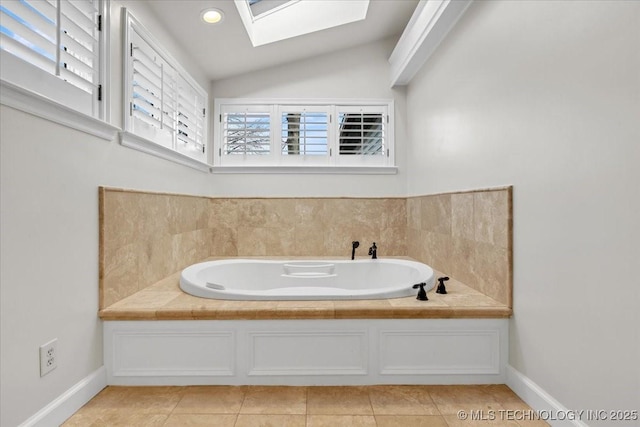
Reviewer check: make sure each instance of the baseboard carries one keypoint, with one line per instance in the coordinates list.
(554, 413)
(65, 405)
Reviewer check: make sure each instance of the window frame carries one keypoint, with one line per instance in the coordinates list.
(29, 88)
(275, 162)
(150, 141)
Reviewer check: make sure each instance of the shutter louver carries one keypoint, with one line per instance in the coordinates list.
(247, 132)
(190, 125)
(361, 133)
(152, 94)
(28, 31)
(79, 43)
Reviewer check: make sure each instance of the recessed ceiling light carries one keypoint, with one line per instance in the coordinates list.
(212, 16)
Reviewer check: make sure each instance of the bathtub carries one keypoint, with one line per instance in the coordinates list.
(256, 279)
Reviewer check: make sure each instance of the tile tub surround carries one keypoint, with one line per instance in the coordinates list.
(165, 300)
(468, 235)
(145, 236)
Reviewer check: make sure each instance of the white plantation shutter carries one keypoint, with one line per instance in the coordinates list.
(246, 130)
(318, 134)
(191, 120)
(79, 41)
(152, 93)
(165, 106)
(62, 39)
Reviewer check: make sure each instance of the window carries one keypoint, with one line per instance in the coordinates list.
(55, 48)
(282, 134)
(165, 109)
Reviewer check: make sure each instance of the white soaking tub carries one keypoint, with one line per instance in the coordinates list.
(256, 279)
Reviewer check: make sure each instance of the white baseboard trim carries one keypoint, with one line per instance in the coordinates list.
(65, 405)
(541, 401)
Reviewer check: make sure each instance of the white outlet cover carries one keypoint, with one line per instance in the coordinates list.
(48, 357)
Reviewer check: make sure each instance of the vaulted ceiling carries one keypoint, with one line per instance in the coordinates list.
(224, 49)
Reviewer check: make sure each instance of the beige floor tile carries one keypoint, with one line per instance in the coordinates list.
(115, 418)
(410, 421)
(341, 421)
(455, 421)
(151, 400)
(402, 400)
(211, 400)
(505, 396)
(247, 420)
(338, 401)
(450, 399)
(201, 420)
(275, 400)
(532, 423)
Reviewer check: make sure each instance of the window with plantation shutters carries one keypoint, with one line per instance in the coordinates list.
(354, 136)
(165, 111)
(362, 134)
(54, 48)
(246, 130)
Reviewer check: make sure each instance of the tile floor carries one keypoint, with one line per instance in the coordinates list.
(279, 406)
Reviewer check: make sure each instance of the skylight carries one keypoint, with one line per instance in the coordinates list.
(268, 21)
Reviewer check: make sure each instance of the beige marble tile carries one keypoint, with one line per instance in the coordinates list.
(410, 421)
(169, 283)
(304, 310)
(201, 420)
(491, 272)
(115, 419)
(224, 241)
(279, 212)
(310, 211)
(462, 224)
(120, 274)
(309, 239)
(252, 213)
(450, 399)
(155, 260)
(414, 213)
(338, 400)
(122, 218)
(341, 420)
(436, 213)
(455, 421)
(280, 241)
(491, 217)
(223, 213)
(275, 400)
(147, 400)
(402, 400)
(252, 241)
(211, 400)
(247, 420)
(434, 300)
(393, 213)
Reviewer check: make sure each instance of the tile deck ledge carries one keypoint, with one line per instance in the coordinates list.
(165, 300)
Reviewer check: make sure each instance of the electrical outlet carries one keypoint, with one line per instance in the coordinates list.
(48, 357)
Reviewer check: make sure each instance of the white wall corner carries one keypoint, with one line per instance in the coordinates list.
(428, 26)
(65, 405)
(542, 402)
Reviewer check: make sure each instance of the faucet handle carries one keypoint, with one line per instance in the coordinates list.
(422, 294)
(441, 288)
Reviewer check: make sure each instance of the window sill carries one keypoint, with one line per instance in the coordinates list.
(349, 170)
(137, 143)
(41, 106)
